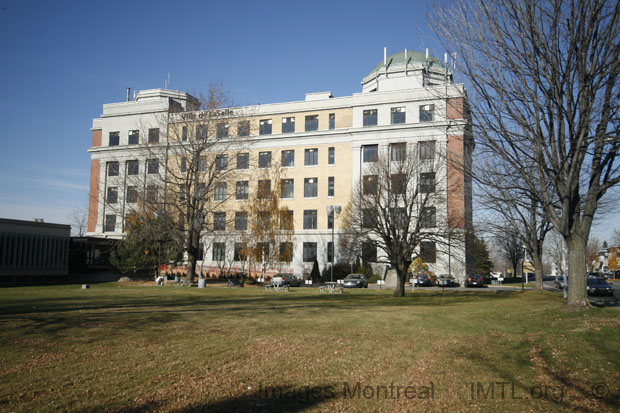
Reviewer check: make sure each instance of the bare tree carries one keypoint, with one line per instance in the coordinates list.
(508, 203)
(79, 221)
(187, 177)
(544, 93)
(397, 209)
(268, 239)
(592, 249)
(511, 249)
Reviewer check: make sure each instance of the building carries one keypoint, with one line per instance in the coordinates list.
(322, 146)
(33, 251)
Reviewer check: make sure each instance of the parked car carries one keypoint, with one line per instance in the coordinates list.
(234, 282)
(286, 280)
(423, 281)
(447, 280)
(355, 281)
(474, 280)
(559, 282)
(598, 286)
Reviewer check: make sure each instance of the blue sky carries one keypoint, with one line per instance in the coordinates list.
(61, 60)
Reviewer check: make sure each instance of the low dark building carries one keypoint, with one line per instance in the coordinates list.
(33, 251)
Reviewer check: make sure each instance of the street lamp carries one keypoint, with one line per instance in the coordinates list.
(332, 210)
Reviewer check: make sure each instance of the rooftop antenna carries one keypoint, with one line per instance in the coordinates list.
(406, 62)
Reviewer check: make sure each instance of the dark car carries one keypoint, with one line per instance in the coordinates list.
(424, 281)
(355, 281)
(234, 282)
(447, 280)
(474, 281)
(287, 280)
(559, 282)
(598, 286)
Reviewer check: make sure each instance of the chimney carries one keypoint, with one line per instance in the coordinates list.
(128, 93)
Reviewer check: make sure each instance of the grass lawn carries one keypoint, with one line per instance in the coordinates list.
(118, 347)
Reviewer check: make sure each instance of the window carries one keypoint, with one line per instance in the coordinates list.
(311, 187)
(183, 165)
(263, 219)
(370, 117)
(428, 217)
(132, 194)
(427, 150)
(330, 186)
(331, 155)
(330, 219)
(287, 188)
(369, 252)
(222, 130)
(264, 127)
(219, 221)
(368, 219)
(112, 195)
(426, 113)
(238, 255)
(201, 251)
(201, 132)
(202, 191)
(310, 219)
(152, 166)
(221, 162)
(154, 135)
(288, 158)
(182, 193)
(243, 128)
(114, 139)
(330, 252)
(264, 159)
(202, 164)
(184, 133)
(241, 221)
(288, 125)
(399, 218)
(398, 115)
(370, 153)
(110, 223)
(309, 251)
(332, 121)
(243, 161)
(369, 184)
(219, 251)
(312, 122)
(286, 252)
(113, 168)
(134, 137)
(311, 157)
(263, 250)
(241, 191)
(427, 182)
(398, 152)
(133, 167)
(220, 192)
(264, 189)
(151, 193)
(286, 219)
(428, 252)
(398, 184)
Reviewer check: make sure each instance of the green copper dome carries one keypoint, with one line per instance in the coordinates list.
(413, 58)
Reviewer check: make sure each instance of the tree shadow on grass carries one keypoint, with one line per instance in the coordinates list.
(270, 399)
(552, 391)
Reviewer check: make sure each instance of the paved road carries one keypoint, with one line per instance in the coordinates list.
(599, 301)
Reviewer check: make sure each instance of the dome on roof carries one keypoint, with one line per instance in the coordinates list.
(413, 58)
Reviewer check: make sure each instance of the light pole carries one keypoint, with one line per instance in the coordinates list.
(332, 210)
